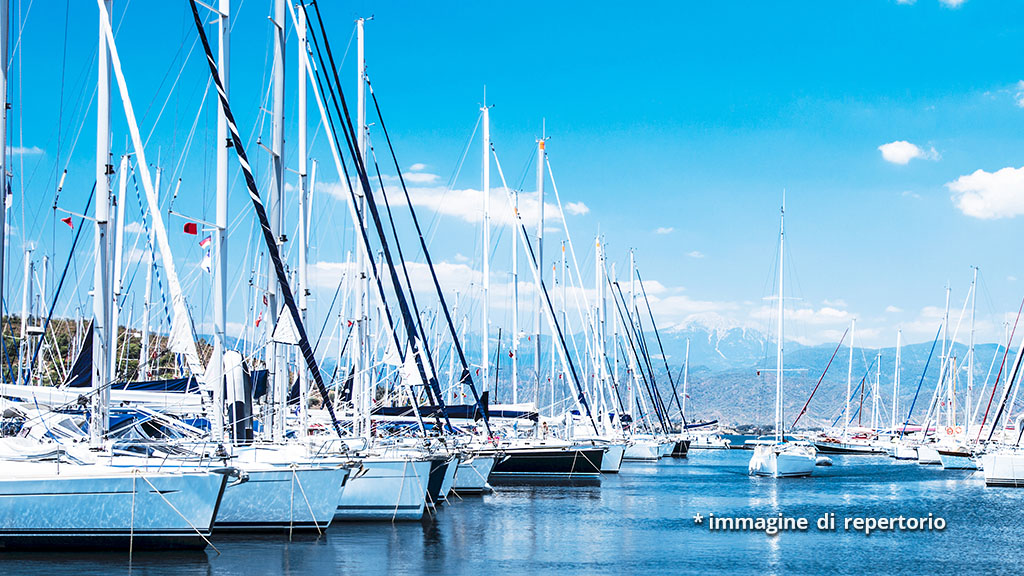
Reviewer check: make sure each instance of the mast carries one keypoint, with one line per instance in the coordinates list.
(304, 211)
(276, 369)
(970, 357)
(147, 304)
(686, 377)
(220, 237)
(539, 313)
(874, 392)
(896, 381)
(26, 299)
(100, 394)
(633, 380)
(849, 385)
(778, 359)
(945, 356)
(485, 365)
(363, 381)
(3, 157)
(117, 217)
(515, 302)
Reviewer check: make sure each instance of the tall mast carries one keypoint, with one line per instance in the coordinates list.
(540, 262)
(3, 157)
(686, 376)
(970, 357)
(778, 360)
(945, 358)
(633, 381)
(277, 370)
(100, 393)
(515, 302)
(849, 385)
(26, 300)
(116, 244)
(220, 237)
(896, 381)
(304, 210)
(363, 381)
(485, 362)
(874, 392)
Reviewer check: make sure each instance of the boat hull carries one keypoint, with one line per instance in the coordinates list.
(385, 490)
(681, 449)
(928, 456)
(282, 498)
(782, 461)
(611, 463)
(472, 474)
(957, 460)
(549, 462)
(108, 510)
(642, 451)
(850, 448)
(1003, 469)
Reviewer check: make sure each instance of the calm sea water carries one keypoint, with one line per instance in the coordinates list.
(639, 522)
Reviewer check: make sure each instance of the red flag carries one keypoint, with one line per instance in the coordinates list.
(191, 228)
(259, 319)
(68, 222)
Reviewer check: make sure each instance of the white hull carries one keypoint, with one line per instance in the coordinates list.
(97, 507)
(957, 462)
(903, 451)
(472, 474)
(449, 477)
(1003, 468)
(613, 456)
(386, 489)
(282, 498)
(782, 461)
(642, 450)
(709, 443)
(928, 455)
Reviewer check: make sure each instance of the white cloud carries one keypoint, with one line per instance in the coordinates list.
(696, 254)
(893, 309)
(1018, 96)
(460, 258)
(907, 2)
(420, 177)
(902, 152)
(952, 3)
(909, 194)
(1011, 278)
(417, 167)
(24, 151)
(664, 230)
(989, 195)
(576, 208)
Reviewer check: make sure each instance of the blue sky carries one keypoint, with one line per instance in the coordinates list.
(676, 125)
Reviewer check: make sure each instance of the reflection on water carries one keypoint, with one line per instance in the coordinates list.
(637, 522)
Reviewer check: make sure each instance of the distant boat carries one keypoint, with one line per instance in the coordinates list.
(779, 458)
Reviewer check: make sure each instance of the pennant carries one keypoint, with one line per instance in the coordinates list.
(191, 228)
(205, 242)
(207, 263)
(68, 222)
(259, 319)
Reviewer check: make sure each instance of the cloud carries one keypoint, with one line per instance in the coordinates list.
(417, 167)
(696, 254)
(24, 151)
(1018, 96)
(460, 258)
(467, 205)
(576, 208)
(890, 309)
(419, 177)
(989, 195)
(909, 194)
(664, 230)
(952, 3)
(906, 2)
(901, 152)
(1011, 278)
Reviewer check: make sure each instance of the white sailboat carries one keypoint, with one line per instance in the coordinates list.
(779, 458)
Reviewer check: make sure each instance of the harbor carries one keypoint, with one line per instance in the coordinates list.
(296, 287)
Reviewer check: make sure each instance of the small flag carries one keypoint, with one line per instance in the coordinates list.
(265, 301)
(259, 319)
(68, 222)
(207, 263)
(191, 228)
(205, 242)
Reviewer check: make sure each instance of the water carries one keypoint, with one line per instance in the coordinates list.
(638, 522)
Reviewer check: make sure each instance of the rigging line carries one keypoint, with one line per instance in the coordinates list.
(435, 390)
(268, 235)
(327, 316)
(341, 108)
(60, 285)
(661, 348)
(1009, 383)
(822, 377)
(432, 227)
(920, 381)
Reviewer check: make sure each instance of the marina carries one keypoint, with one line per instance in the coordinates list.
(280, 297)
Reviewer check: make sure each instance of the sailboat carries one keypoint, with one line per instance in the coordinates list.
(780, 458)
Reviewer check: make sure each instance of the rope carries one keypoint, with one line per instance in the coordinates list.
(168, 502)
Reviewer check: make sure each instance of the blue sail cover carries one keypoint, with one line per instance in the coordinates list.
(81, 376)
